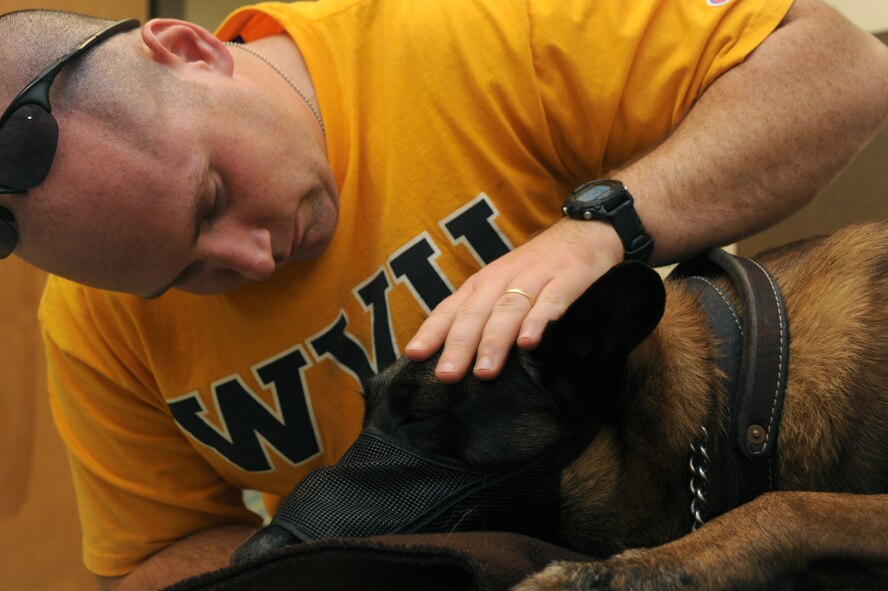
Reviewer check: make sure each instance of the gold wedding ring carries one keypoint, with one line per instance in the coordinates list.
(522, 293)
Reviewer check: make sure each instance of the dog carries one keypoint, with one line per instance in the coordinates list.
(633, 362)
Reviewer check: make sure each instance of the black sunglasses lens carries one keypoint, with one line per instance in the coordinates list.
(28, 142)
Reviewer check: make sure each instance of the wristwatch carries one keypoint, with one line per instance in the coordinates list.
(609, 200)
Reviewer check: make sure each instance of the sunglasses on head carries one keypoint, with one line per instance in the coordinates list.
(29, 133)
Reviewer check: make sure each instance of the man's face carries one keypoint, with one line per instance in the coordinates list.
(217, 196)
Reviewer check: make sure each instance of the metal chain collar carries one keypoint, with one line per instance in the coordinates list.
(699, 484)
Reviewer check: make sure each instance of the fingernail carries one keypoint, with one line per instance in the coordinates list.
(413, 345)
(447, 367)
(484, 363)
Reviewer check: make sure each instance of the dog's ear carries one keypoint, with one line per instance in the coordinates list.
(605, 323)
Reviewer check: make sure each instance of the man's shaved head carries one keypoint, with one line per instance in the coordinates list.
(108, 83)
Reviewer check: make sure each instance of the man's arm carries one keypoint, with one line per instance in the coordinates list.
(759, 144)
(767, 136)
(198, 553)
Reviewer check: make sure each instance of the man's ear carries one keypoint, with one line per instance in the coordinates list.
(605, 323)
(175, 43)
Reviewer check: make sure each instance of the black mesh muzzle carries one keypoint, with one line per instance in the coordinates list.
(382, 487)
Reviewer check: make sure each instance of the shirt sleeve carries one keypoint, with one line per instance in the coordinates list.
(616, 77)
(140, 485)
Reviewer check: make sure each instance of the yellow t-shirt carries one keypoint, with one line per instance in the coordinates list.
(454, 131)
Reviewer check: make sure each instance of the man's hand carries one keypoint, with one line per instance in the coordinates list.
(486, 318)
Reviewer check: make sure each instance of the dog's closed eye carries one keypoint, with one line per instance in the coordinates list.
(418, 417)
(422, 416)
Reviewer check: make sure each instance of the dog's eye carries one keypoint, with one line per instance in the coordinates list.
(422, 416)
(418, 417)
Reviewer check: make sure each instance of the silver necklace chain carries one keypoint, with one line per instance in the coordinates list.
(301, 94)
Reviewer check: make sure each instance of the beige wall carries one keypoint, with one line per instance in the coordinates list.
(871, 15)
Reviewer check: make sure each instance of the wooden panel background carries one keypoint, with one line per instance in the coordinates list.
(40, 545)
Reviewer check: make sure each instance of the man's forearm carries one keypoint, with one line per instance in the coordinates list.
(199, 553)
(766, 136)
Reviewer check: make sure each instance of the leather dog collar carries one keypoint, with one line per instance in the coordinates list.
(756, 383)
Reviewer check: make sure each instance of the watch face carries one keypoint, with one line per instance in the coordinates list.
(592, 193)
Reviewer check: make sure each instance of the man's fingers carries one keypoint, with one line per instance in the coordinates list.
(434, 330)
(551, 304)
(522, 324)
(461, 343)
(511, 300)
(501, 330)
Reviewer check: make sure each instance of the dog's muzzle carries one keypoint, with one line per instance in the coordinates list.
(382, 487)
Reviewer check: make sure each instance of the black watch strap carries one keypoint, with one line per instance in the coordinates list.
(609, 200)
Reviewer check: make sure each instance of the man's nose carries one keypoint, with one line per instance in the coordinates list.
(246, 251)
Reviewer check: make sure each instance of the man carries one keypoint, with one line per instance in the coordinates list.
(334, 180)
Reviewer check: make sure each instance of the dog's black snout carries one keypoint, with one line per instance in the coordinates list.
(262, 542)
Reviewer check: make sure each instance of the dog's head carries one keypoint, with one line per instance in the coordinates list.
(477, 454)
(575, 378)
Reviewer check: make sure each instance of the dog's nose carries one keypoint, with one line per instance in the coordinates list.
(262, 542)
